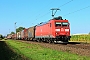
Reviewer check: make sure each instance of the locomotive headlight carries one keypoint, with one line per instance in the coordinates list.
(67, 30)
(57, 29)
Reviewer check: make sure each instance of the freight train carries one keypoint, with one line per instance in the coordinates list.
(56, 29)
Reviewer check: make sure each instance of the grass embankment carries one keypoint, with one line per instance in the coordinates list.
(6, 53)
(80, 38)
(37, 52)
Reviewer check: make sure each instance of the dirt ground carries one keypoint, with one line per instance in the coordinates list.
(72, 47)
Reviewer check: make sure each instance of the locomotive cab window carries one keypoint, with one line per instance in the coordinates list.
(58, 24)
(65, 24)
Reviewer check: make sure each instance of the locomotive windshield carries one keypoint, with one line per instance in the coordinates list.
(61, 24)
(64, 23)
(58, 24)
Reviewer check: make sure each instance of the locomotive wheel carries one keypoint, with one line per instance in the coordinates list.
(38, 40)
(50, 41)
(53, 42)
(66, 40)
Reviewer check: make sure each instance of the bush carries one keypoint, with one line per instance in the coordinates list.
(5, 38)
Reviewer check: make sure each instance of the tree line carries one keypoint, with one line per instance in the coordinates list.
(17, 30)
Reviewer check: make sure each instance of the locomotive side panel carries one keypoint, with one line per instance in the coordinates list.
(43, 31)
(37, 32)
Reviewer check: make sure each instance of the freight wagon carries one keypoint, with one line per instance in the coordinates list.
(31, 33)
(22, 34)
(19, 35)
(13, 36)
(9, 36)
(25, 34)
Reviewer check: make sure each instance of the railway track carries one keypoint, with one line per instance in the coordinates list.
(82, 46)
(76, 45)
(72, 47)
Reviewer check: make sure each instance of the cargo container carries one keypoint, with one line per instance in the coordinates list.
(22, 34)
(31, 33)
(13, 36)
(9, 37)
(17, 35)
(25, 34)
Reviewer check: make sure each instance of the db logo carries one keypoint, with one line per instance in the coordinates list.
(62, 29)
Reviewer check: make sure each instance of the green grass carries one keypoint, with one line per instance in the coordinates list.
(37, 52)
(6, 53)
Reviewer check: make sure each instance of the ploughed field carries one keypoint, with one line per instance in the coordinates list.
(45, 51)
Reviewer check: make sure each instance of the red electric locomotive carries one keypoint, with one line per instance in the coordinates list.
(54, 30)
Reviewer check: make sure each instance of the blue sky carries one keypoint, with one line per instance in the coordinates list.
(28, 13)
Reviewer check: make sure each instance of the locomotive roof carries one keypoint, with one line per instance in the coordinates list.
(42, 23)
(55, 18)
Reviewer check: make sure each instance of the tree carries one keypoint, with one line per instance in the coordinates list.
(1, 36)
(12, 32)
(89, 32)
(20, 29)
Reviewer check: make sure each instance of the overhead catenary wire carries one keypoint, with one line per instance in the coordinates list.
(50, 11)
(41, 11)
(46, 6)
(65, 3)
(58, 7)
(76, 11)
